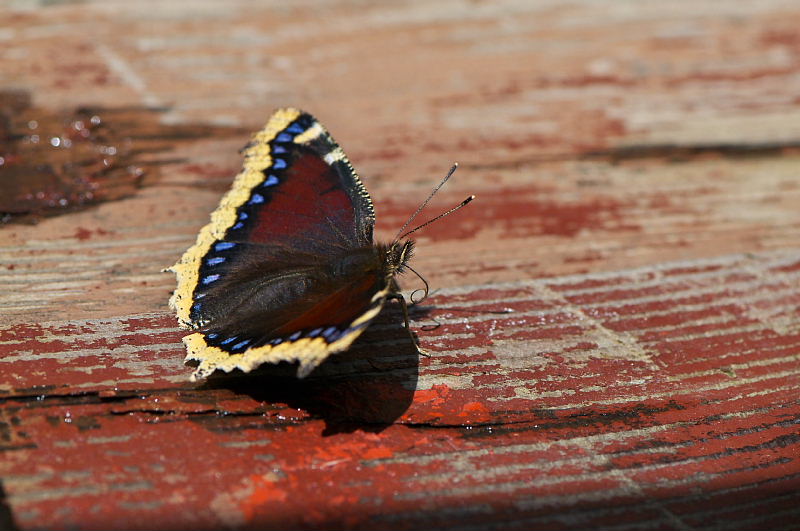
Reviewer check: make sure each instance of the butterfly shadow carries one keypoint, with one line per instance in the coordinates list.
(368, 387)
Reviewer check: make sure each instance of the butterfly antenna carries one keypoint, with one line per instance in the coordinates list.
(463, 203)
(401, 234)
(424, 204)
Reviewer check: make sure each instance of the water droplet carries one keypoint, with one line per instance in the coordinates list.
(55, 141)
(33, 124)
(2, 161)
(95, 120)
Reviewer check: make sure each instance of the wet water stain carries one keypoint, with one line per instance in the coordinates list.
(57, 162)
(54, 162)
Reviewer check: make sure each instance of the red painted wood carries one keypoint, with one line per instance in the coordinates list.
(598, 399)
(614, 330)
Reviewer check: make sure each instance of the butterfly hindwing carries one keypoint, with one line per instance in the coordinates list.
(309, 336)
(286, 269)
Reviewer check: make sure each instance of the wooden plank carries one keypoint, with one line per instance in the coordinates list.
(614, 329)
(654, 396)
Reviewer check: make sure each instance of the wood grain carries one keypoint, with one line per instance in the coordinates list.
(614, 330)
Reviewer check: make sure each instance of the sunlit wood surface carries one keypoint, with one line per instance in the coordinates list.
(613, 331)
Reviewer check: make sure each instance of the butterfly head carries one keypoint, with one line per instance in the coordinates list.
(396, 257)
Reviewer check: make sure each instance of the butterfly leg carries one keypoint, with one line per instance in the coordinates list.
(404, 307)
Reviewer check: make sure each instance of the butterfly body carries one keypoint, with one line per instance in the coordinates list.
(287, 269)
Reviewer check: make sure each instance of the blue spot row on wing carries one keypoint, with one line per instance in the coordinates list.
(208, 279)
(237, 344)
(270, 179)
(300, 125)
(296, 128)
(240, 345)
(215, 257)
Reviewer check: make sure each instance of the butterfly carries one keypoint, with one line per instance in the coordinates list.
(287, 269)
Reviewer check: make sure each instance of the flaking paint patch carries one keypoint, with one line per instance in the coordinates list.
(237, 507)
(476, 412)
(265, 491)
(378, 453)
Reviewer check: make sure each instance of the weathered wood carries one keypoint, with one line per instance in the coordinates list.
(656, 394)
(614, 341)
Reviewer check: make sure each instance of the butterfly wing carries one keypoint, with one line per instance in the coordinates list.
(286, 269)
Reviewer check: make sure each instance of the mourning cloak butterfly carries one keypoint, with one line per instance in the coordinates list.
(287, 269)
